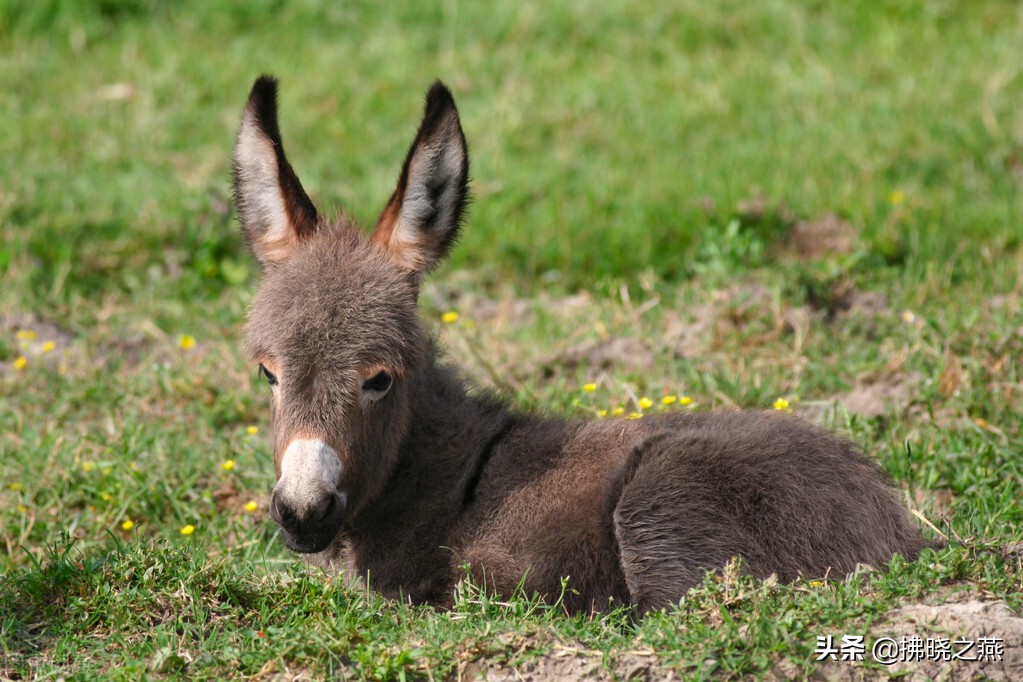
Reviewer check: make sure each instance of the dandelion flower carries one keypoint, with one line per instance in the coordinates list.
(645, 403)
(449, 317)
(669, 400)
(21, 362)
(188, 529)
(227, 464)
(251, 506)
(25, 335)
(897, 197)
(252, 430)
(781, 404)
(589, 388)
(127, 524)
(816, 583)
(49, 346)
(186, 341)
(618, 411)
(601, 413)
(685, 401)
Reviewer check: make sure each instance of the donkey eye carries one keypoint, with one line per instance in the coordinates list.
(271, 378)
(378, 383)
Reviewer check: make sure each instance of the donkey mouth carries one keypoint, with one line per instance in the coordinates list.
(309, 533)
(308, 544)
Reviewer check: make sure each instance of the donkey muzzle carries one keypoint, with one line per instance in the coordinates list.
(306, 503)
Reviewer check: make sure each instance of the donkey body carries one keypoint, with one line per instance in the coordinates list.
(388, 467)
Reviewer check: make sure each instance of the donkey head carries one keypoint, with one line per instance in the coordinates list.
(334, 326)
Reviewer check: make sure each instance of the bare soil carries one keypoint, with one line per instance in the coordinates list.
(970, 619)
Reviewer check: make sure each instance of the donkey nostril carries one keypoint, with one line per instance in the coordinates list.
(280, 513)
(327, 507)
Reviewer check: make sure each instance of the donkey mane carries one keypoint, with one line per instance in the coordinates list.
(389, 468)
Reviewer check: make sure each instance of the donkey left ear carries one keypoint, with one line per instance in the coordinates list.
(421, 221)
(275, 211)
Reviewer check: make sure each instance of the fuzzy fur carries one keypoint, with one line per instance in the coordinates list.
(433, 477)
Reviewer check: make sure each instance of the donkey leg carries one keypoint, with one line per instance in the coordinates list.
(670, 523)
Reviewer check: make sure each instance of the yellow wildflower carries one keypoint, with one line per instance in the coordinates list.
(22, 509)
(908, 316)
(449, 317)
(669, 400)
(88, 466)
(105, 495)
(618, 411)
(128, 524)
(685, 401)
(186, 341)
(187, 529)
(252, 430)
(816, 583)
(227, 464)
(897, 197)
(601, 413)
(645, 403)
(251, 506)
(14, 486)
(25, 335)
(589, 388)
(781, 404)
(635, 415)
(20, 362)
(49, 346)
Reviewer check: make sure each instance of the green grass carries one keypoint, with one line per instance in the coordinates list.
(657, 158)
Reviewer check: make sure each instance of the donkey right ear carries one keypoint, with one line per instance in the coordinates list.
(420, 223)
(275, 211)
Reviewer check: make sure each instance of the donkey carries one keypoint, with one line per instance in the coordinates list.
(388, 468)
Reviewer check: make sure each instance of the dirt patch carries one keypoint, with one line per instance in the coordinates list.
(690, 335)
(842, 296)
(872, 397)
(710, 325)
(985, 635)
(827, 235)
(616, 352)
(973, 620)
(567, 664)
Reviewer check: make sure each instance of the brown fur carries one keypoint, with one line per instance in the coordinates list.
(433, 478)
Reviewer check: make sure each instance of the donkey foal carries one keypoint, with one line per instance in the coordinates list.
(387, 467)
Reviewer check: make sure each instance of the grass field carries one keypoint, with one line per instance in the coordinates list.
(730, 202)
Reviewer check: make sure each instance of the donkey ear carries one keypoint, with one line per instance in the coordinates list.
(275, 211)
(421, 221)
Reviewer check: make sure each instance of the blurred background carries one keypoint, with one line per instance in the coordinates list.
(607, 138)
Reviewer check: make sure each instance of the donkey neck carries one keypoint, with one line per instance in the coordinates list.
(454, 431)
(404, 539)
(443, 455)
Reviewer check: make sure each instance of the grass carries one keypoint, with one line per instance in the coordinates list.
(643, 173)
